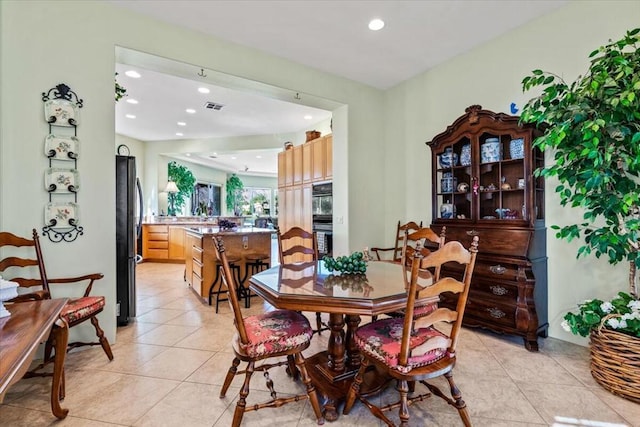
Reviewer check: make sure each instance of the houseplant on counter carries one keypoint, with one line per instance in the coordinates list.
(185, 181)
(234, 193)
(593, 127)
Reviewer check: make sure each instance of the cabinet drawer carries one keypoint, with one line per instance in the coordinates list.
(158, 253)
(502, 292)
(157, 228)
(197, 268)
(499, 241)
(484, 269)
(196, 254)
(157, 244)
(158, 236)
(197, 284)
(488, 311)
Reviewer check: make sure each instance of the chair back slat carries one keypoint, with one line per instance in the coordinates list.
(424, 240)
(232, 289)
(21, 267)
(452, 251)
(297, 242)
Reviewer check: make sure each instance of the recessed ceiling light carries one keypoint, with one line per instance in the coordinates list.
(376, 24)
(258, 157)
(233, 157)
(188, 154)
(132, 101)
(179, 134)
(130, 116)
(203, 90)
(182, 124)
(133, 74)
(190, 111)
(308, 117)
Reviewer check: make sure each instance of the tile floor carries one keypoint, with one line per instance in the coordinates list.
(169, 365)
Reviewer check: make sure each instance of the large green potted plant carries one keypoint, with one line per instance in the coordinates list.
(234, 194)
(592, 127)
(185, 181)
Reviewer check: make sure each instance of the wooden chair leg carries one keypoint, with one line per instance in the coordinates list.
(230, 375)
(319, 322)
(354, 390)
(292, 369)
(459, 404)
(104, 342)
(311, 391)
(403, 389)
(242, 401)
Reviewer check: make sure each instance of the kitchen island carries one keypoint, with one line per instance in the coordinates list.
(163, 237)
(243, 245)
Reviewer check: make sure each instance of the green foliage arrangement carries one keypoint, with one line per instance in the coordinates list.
(185, 181)
(234, 192)
(120, 90)
(593, 127)
(352, 264)
(621, 314)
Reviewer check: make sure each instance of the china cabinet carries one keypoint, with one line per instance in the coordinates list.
(483, 184)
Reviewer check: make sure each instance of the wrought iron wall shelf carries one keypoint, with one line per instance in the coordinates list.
(61, 147)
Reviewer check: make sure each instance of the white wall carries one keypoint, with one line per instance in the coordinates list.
(490, 75)
(43, 43)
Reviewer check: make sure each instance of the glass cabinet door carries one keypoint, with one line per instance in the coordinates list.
(453, 175)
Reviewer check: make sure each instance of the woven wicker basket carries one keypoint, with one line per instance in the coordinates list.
(615, 362)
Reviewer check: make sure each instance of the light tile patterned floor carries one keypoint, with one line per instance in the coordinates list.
(169, 366)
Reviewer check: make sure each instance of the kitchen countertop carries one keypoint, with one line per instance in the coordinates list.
(238, 230)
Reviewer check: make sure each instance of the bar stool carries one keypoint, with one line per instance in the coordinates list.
(220, 293)
(254, 263)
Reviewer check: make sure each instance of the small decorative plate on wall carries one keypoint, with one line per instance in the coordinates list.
(60, 112)
(61, 215)
(61, 147)
(58, 180)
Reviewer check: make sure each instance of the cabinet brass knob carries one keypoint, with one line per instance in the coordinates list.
(496, 313)
(473, 233)
(498, 290)
(497, 269)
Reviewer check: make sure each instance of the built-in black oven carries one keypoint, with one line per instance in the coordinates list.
(322, 208)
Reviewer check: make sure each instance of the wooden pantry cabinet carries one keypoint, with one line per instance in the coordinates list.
(298, 169)
(483, 185)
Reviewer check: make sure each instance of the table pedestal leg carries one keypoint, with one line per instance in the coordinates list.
(336, 342)
(60, 335)
(353, 354)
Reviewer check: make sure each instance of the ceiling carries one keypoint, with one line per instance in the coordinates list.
(324, 35)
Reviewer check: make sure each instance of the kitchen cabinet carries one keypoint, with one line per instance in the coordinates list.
(298, 169)
(163, 242)
(483, 185)
(155, 242)
(176, 242)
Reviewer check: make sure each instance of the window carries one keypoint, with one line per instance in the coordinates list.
(205, 199)
(256, 201)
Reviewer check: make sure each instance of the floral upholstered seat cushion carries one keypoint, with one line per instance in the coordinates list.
(418, 311)
(81, 308)
(276, 331)
(382, 339)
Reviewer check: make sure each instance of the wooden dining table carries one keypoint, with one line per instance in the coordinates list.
(30, 324)
(309, 286)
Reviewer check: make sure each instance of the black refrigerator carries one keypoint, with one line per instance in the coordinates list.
(128, 227)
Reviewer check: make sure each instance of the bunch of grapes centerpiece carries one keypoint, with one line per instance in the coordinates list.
(352, 264)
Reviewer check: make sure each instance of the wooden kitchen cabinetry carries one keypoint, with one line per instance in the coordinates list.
(163, 242)
(298, 169)
(483, 185)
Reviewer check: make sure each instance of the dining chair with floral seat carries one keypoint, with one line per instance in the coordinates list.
(425, 241)
(297, 244)
(277, 334)
(396, 250)
(412, 350)
(27, 268)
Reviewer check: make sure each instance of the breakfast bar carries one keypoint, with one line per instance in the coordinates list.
(245, 245)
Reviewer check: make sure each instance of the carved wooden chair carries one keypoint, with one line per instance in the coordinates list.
(28, 270)
(275, 334)
(396, 250)
(413, 350)
(301, 245)
(425, 241)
